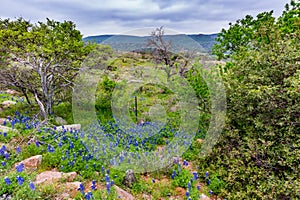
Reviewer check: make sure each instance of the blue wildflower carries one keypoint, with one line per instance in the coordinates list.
(7, 180)
(88, 196)
(18, 150)
(185, 163)
(187, 194)
(81, 188)
(20, 167)
(20, 180)
(32, 186)
(206, 174)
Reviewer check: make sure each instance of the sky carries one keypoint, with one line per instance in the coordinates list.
(96, 17)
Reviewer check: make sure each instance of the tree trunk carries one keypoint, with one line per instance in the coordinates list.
(26, 96)
(41, 105)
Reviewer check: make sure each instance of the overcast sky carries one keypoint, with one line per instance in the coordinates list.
(94, 17)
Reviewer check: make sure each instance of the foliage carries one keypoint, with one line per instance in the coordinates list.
(42, 59)
(258, 153)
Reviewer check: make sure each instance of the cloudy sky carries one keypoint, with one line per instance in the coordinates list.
(94, 17)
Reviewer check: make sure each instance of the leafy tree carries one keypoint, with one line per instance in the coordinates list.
(41, 59)
(258, 153)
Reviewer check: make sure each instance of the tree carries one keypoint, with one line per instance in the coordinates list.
(243, 34)
(258, 153)
(174, 63)
(41, 59)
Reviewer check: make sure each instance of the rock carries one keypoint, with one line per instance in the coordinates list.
(129, 179)
(200, 141)
(203, 196)
(146, 197)
(33, 162)
(70, 188)
(5, 197)
(63, 196)
(123, 194)
(175, 108)
(72, 185)
(51, 176)
(5, 129)
(60, 121)
(69, 127)
(8, 103)
(12, 92)
(2, 120)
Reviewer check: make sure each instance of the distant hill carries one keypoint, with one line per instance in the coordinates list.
(200, 42)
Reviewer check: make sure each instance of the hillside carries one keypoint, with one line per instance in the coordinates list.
(201, 42)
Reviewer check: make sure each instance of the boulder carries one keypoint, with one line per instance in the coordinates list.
(204, 197)
(60, 121)
(122, 194)
(33, 162)
(5, 129)
(8, 103)
(69, 127)
(200, 141)
(129, 179)
(2, 120)
(52, 176)
(12, 92)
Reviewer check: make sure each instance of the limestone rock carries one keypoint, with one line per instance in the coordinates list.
(8, 103)
(204, 197)
(123, 194)
(129, 179)
(60, 121)
(52, 176)
(5, 129)
(12, 92)
(69, 127)
(2, 120)
(32, 162)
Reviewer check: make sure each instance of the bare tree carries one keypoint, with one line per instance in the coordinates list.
(174, 63)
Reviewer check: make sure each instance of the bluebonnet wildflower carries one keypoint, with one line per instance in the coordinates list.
(88, 196)
(18, 150)
(20, 167)
(107, 179)
(3, 163)
(37, 143)
(187, 194)
(206, 174)
(198, 187)
(108, 187)
(81, 188)
(210, 192)
(4, 134)
(195, 175)
(50, 148)
(208, 182)
(185, 163)
(93, 185)
(7, 180)
(20, 180)
(153, 180)
(32, 186)
(189, 185)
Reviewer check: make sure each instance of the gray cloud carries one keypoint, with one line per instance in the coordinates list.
(116, 16)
